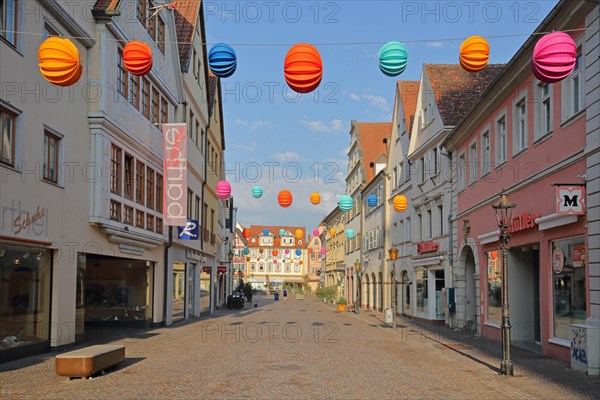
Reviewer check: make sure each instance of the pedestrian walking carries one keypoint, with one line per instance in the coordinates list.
(284, 294)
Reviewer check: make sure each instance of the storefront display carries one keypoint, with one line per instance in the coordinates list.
(205, 283)
(422, 294)
(494, 287)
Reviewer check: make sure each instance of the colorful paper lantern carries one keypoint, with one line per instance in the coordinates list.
(300, 262)
(59, 61)
(345, 203)
(372, 200)
(393, 58)
(246, 233)
(554, 57)
(285, 198)
(265, 231)
(323, 250)
(287, 251)
(303, 68)
(315, 198)
(350, 233)
(260, 251)
(247, 258)
(137, 58)
(223, 189)
(246, 251)
(494, 255)
(332, 232)
(274, 261)
(281, 232)
(257, 192)
(222, 60)
(310, 251)
(298, 252)
(474, 54)
(316, 232)
(275, 252)
(299, 233)
(400, 203)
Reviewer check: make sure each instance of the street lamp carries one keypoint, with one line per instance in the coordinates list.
(504, 211)
(357, 302)
(393, 252)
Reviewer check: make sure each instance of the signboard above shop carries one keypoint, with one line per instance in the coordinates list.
(427, 247)
(570, 200)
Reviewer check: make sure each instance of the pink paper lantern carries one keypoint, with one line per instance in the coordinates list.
(223, 189)
(323, 250)
(274, 261)
(316, 232)
(287, 251)
(554, 57)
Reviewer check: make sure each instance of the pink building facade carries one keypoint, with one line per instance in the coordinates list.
(525, 138)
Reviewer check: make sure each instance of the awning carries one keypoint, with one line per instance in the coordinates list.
(554, 220)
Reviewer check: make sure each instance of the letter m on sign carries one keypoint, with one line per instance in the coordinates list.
(570, 200)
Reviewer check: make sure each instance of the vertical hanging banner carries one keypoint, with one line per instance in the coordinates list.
(175, 173)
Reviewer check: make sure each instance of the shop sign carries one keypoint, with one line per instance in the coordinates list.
(558, 260)
(206, 270)
(523, 222)
(579, 256)
(570, 200)
(192, 255)
(221, 269)
(239, 260)
(32, 223)
(131, 250)
(427, 247)
(189, 231)
(175, 173)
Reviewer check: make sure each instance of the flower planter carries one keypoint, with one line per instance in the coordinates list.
(341, 308)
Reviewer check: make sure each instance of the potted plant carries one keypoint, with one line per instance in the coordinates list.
(299, 294)
(341, 304)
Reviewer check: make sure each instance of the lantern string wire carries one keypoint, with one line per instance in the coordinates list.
(315, 44)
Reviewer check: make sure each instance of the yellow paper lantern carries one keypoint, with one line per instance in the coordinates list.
(332, 232)
(59, 61)
(315, 198)
(299, 234)
(400, 203)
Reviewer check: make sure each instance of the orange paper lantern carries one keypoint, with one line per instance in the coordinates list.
(300, 262)
(260, 251)
(315, 198)
(303, 68)
(247, 258)
(285, 198)
(275, 252)
(494, 254)
(474, 54)
(400, 203)
(299, 233)
(137, 57)
(246, 233)
(59, 61)
(332, 232)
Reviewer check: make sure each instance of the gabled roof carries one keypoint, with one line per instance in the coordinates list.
(256, 231)
(409, 93)
(186, 17)
(457, 90)
(371, 135)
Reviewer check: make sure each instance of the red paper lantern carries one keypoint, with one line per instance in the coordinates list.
(137, 57)
(303, 68)
(285, 198)
(275, 252)
(246, 233)
(494, 254)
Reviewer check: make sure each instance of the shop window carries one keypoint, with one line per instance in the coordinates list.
(439, 294)
(205, 283)
(494, 286)
(25, 287)
(178, 299)
(422, 293)
(569, 261)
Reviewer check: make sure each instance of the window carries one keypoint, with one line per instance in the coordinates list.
(419, 226)
(141, 11)
(115, 169)
(441, 218)
(190, 124)
(159, 193)
(569, 263)
(422, 293)
(155, 112)
(408, 237)
(197, 208)
(139, 219)
(145, 98)
(572, 90)
(473, 162)
(164, 110)
(128, 177)
(190, 204)
(139, 182)
(159, 225)
(8, 20)
(400, 235)
(150, 189)
(434, 160)
(501, 140)
(461, 171)
(134, 91)
(520, 125)
(485, 153)
(543, 111)
(494, 285)
(51, 150)
(196, 131)
(429, 224)
(128, 215)
(422, 170)
(49, 30)
(149, 222)
(115, 211)
(7, 142)
(122, 76)
(395, 177)
(160, 34)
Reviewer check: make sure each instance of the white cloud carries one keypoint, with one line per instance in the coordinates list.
(335, 125)
(240, 121)
(377, 101)
(435, 44)
(248, 148)
(261, 124)
(287, 156)
(352, 95)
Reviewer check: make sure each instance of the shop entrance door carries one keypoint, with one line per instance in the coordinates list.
(190, 292)
(536, 295)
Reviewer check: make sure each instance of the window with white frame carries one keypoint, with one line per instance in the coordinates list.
(434, 160)
(461, 171)
(51, 156)
(572, 89)
(501, 139)
(473, 162)
(485, 153)
(520, 125)
(9, 20)
(543, 112)
(422, 169)
(8, 132)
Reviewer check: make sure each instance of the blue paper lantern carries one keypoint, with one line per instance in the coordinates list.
(265, 231)
(222, 60)
(393, 58)
(257, 192)
(350, 233)
(246, 251)
(345, 203)
(281, 232)
(372, 200)
(298, 252)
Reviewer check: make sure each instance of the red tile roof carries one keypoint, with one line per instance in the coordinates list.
(409, 92)
(186, 16)
(371, 135)
(457, 90)
(212, 88)
(106, 5)
(256, 230)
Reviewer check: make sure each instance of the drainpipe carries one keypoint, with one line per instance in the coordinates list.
(451, 241)
(167, 247)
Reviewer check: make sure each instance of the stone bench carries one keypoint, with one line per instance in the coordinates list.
(86, 362)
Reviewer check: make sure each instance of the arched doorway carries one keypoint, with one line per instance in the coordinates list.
(374, 292)
(358, 292)
(381, 303)
(405, 293)
(393, 292)
(468, 260)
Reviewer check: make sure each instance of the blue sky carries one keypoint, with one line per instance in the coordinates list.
(280, 140)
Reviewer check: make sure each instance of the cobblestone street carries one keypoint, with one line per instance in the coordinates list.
(301, 349)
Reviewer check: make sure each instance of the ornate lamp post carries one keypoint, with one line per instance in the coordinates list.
(504, 210)
(357, 302)
(393, 252)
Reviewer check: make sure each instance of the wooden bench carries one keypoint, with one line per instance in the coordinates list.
(86, 362)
